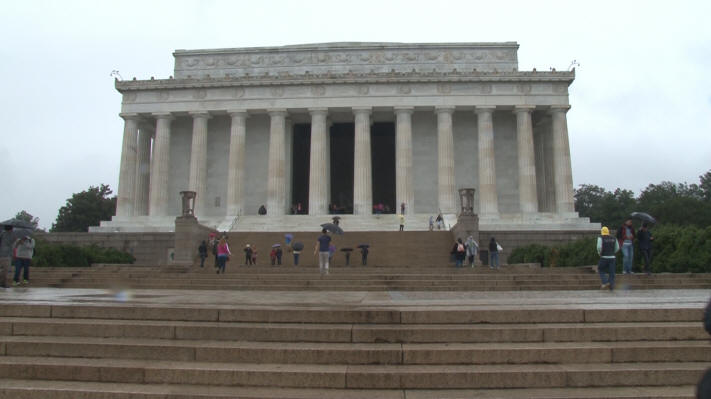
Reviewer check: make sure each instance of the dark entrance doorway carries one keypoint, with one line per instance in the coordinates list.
(300, 162)
(382, 144)
(342, 138)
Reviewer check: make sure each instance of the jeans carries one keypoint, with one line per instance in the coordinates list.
(202, 260)
(494, 263)
(458, 262)
(296, 259)
(323, 261)
(221, 261)
(627, 256)
(606, 267)
(20, 264)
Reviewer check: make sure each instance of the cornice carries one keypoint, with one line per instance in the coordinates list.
(346, 78)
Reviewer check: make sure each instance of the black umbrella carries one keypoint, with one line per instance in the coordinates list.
(644, 217)
(346, 249)
(363, 245)
(336, 218)
(298, 246)
(333, 228)
(18, 223)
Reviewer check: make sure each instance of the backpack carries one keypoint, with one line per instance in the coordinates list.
(460, 247)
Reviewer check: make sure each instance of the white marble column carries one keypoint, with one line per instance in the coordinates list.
(528, 198)
(236, 162)
(318, 164)
(198, 162)
(127, 174)
(143, 171)
(276, 183)
(160, 173)
(445, 160)
(404, 188)
(562, 171)
(488, 197)
(362, 166)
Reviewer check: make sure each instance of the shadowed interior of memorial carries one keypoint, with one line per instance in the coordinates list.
(382, 144)
(301, 157)
(342, 139)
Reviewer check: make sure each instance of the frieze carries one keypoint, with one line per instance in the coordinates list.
(339, 58)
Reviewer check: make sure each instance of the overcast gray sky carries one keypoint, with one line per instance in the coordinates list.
(641, 101)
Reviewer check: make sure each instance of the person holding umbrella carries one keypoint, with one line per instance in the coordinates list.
(322, 247)
(644, 240)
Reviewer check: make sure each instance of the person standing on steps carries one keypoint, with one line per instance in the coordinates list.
(460, 252)
(254, 255)
(494, 249)
(402, 208)
(202, 251)
(402, 221)
(431, 222)
(364, 255)
(472, 250)
(278, 255)
(626, 236)
(644, 242)
(607, 247)
(247, 255)
(23, 248)
(322, 249)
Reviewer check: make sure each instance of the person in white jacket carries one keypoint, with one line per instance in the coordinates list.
(24, 248)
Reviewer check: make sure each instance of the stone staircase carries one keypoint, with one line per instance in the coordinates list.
(178, 345)
(356, 278)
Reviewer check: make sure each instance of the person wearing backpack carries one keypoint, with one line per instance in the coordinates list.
(459, 251)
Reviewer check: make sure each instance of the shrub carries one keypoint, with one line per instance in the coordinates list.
(61, 255)
(675, 249)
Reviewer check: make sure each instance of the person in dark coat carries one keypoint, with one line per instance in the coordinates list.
(202, 251)
(644, 241)
(493, 254)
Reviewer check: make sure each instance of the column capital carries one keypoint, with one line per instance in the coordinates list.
(163, 115)
(444, 109)
(559, 108)
(318, 111)
(362, 110)
(278, 112)
(404, 110)
(200, 114)
(130, 116)
(238, 112)
(523, 108)
(484, 109)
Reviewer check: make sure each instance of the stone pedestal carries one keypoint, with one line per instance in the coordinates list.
(467, 221)
(187, 239)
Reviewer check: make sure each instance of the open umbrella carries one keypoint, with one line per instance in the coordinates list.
(288, 238)
(363, 245)
(332, 228)
(347, 249)
(644, 217)
(298, 246)
(21, 227)
(336, 218)
(276, 245)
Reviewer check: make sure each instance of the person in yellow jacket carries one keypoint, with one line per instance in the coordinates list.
(607, 247)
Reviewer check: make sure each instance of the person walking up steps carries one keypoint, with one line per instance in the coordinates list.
(607, 247)
(322, 248)
(472, 250)
(223, 253)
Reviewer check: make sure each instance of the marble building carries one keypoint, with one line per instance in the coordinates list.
(341, 127)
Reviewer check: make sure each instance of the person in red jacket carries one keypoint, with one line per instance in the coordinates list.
(625, 237)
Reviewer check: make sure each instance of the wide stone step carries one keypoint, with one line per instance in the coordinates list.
(431, 314)
(35, 389)
(393, 333)
(357, 353)
(353, 376)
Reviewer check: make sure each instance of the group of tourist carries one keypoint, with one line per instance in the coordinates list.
(608, 246)
(469, 251)
(221, 251)
(17, 251)
(439, 221)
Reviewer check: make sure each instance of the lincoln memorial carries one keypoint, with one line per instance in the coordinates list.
(349, 128)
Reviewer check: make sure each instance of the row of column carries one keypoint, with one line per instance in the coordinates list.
(143, 178)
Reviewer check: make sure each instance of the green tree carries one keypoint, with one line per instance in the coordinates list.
(85, 209)
(602, 206)
(677, 203)
(27, 217)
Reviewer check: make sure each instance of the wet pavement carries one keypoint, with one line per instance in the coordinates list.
(619, 299)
